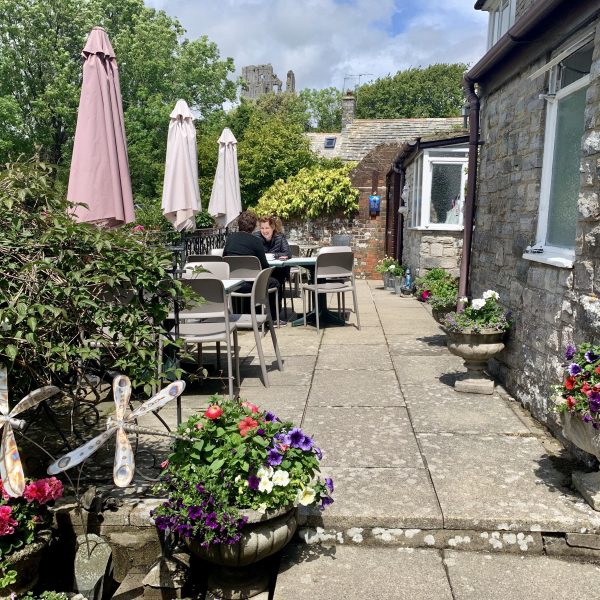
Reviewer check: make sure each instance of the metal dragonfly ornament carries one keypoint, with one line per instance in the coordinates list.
(124, 465)
(11, 469)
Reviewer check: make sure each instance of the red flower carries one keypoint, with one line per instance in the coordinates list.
(164, 464)
(425, 295)
(7, 523)
(246, 425)
(570, 383)
(571, 401)
(598, 369)
(252, 407)
(585, 388)
(138, 228)
(43, 491)
(213, 412)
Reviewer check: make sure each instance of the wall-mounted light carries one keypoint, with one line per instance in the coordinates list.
(374, 204)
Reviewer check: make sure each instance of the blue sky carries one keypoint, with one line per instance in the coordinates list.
(326, 41)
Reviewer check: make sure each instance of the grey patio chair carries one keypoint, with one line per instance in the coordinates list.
(248, 268)
(260, 297)
(210, 322)
(203, 258)
(336, 275)
(218, 269)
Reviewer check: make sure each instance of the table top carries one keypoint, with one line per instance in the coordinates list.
(295, 261)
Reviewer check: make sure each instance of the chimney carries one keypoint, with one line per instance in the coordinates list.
(348, 109)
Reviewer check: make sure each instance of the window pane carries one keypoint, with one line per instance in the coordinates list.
(562, 215)
(448, 153)
(445, 193)
(577, 65)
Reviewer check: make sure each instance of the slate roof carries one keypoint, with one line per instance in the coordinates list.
(362, 135)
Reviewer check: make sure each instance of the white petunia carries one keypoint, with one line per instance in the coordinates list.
(262, 508)
(281, 478)
(463, 299)
(265, 485)
(265, 472)
(306, 496)
(478, 304)
(491, 294)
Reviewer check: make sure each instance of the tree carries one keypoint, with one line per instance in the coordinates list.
(40, 72)
(435, 91)
(325, 107)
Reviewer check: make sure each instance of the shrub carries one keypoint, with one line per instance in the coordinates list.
(439, 288)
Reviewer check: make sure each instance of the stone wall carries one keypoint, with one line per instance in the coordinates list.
(552, 306)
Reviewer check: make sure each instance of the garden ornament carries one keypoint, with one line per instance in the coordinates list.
(124, 465)
(11, 469)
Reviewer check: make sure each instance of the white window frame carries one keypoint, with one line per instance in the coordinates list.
(562, 257)
(495, 29)
(421, 207)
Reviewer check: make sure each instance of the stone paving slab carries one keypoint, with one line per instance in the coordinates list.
(438, 409)
(427, 369)
(290, 345)
(297, 370)
(502, 482)
(379, 497)
(335, 573)
(363, 357)
(498, 577)
(371, 437)
(426, 344)
(350, 336)
(287, 402)
(355, 388)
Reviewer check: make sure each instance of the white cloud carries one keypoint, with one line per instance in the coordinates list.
(323, 41)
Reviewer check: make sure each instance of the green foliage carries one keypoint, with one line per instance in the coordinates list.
(313, 192)
(272, 148)
(434, 91)
(387, 264)
(48, 595)
(480, 314)
(40, 78)
(149, 214)
(62, 308)
(439, 288)
(325, 107)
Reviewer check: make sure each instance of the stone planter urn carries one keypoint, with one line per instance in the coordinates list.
(584, 436)
(238, 572)
(475, 349)
(26, 562)
(439, 314)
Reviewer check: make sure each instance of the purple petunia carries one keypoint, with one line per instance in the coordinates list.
(590, 356)
(253, 482)
(283, 438)
(274, 458)
(269, 416)
(306, 444)
(260, 432)
(574, 369)
(329, 483)
(211, 520)
(296, 437)
(194, 512)
(318, 453)
(325, 501)
(570, 351)
(587, 418)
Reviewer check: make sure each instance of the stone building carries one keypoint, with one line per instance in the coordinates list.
(373, 144)
(536, 236)
(260, 80)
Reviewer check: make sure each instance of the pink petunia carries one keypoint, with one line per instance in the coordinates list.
(7, 523)
(43, 491)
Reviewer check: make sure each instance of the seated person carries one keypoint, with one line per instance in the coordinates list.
(244, 243)
(274, 242)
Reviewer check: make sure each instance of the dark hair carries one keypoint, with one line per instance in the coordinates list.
(247, 221)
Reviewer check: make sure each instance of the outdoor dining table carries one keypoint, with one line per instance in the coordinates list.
(325, 315)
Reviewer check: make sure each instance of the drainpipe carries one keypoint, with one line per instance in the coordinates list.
(400, 229)
(469, 212)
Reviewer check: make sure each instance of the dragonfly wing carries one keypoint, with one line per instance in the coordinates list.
(165, 395)
(124, 463)
(3, 391)
(77, 456)
(11, 469)
(121, 394)
(34, 399)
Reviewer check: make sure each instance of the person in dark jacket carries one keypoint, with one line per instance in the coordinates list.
(244, 243)
(274, 242)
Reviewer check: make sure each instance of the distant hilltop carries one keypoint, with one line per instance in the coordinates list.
(260, 80)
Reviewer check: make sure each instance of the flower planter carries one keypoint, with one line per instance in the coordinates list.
(475, 349)
(584, 436)
(236, 574)
(389, 282)
(26, 563)
(439, 314)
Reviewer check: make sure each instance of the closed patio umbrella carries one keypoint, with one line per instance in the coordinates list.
(225, 199)
(99, 175)
(181, 196)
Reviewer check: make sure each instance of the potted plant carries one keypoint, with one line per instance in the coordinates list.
(24, 533)
(397, 273)
(476, 334)
(578, 406)
(232, 489)
(386, 267)
(439, 289)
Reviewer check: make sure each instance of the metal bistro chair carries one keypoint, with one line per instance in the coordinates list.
(248, 268)
(334, 274)
(260, 297)
(210, 322)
